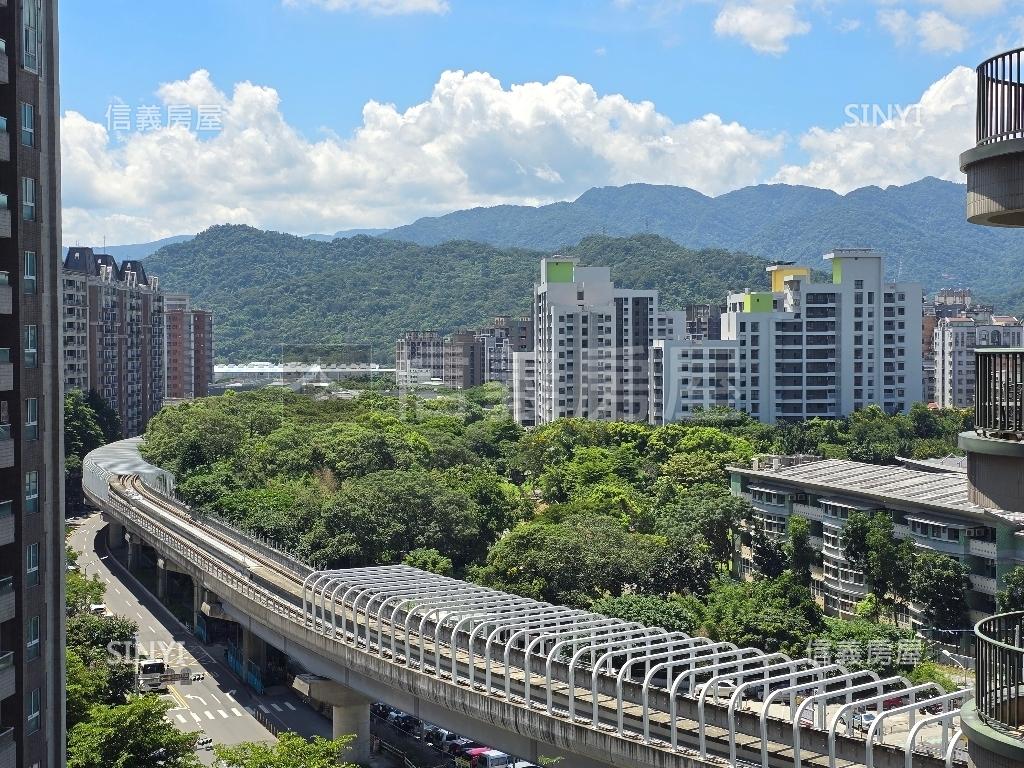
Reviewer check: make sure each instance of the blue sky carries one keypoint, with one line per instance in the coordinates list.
(781, 72)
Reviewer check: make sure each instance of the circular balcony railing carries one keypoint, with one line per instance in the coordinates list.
(999, 393)
(999, 670)
(1000, 114)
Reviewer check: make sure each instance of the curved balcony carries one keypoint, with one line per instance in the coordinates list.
(995, 167)
(993, 720)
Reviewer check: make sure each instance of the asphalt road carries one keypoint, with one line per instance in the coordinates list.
(219, 705)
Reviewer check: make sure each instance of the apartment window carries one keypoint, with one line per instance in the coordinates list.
(28, 275)
(31, 491)
(32, 418)
(858, 284)
(32, 641)
(30, 12)
(33, 702)
(28, 125)
(31, 334)
(28, 198)
(32, 564)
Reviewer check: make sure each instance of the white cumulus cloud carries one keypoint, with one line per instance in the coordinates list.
(380, 7)
(921, 139)
(764, 25)
(969, 7)
(938, 33)
(472, 142)
(932, 30)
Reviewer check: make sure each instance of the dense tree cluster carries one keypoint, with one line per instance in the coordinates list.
(624, 519)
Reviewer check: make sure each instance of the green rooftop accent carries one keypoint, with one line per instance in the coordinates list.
(757, 302)
(559, 272)
(837, 271)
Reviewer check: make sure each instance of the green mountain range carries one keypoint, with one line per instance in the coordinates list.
(272, 292)
(270, 289)
(921, 226)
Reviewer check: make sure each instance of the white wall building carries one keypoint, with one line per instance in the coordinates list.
(953, 344)
(803, 349)
(592, 342)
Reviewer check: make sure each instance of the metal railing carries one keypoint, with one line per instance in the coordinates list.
(999, 669)
(999, 393)
(1000, 105)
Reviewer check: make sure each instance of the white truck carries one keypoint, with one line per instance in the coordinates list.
(151, 675)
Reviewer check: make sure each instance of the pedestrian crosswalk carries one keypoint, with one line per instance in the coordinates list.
(183, 715)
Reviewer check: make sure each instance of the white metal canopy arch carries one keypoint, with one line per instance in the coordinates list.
(458, 625)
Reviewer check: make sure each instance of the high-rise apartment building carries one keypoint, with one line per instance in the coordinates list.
(501, 341)
(113, 334)
(189, 348)
(948, 302)
(591, 350)
(802, 349)
(953, 343)
(31, 403)
(463, 360)
(419, 358)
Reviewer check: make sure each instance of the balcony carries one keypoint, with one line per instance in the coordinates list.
(6, 370)
(5, 66)
(6, 675)
(982, 548)
(6, 447)
(6, 527)
(999, 405)
(5, 141)
(994, 168)
(984, 584)
(8, 750)
(6, 599)
(5, 217)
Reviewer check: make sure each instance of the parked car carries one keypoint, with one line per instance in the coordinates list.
(488, 758)
(462, 747)
(724, 689)
(409, 723)
(894, 703)
(863, 720)
(441, 738)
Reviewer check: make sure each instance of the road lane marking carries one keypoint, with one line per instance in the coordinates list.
(264, 709)
(151, 629)
(181, 718)
(209, 715)
(276, 707)
(222, 713)
(118, 591)
(177, 696)
(194, 716)
(289, 705)
(250, 710)
(215, 699)
(235, 712)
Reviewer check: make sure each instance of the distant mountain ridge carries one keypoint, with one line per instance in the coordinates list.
(270, 291)
(920, 226)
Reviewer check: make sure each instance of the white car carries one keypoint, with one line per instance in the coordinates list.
(724, 689)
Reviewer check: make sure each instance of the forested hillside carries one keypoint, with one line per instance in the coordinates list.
(921, 226)
(269, 289)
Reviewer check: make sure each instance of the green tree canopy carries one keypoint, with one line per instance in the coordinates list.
(132, 735)
(290, 751)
